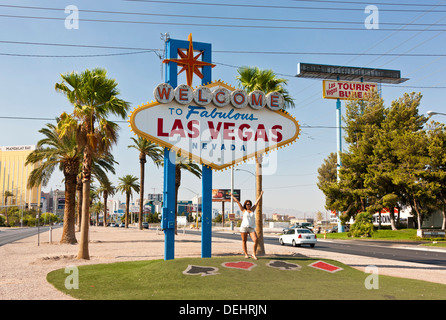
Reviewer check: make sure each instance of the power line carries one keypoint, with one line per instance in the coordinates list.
(143, 50)
(215, 25)
(210, 17)
(274, 6)
(375, 3)
(72, 56)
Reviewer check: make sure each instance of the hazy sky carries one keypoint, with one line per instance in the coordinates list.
(36, 47)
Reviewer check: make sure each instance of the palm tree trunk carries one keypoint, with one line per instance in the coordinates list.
(85, 224)
(105, 208)
(79, 201)
(142, 161)
(127, 207)
(259, 208)
(68, 232)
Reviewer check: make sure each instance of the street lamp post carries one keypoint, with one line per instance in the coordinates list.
(432, 113)
(246, 171)
(198, 206)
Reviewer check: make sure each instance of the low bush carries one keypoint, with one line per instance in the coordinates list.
(363, 226)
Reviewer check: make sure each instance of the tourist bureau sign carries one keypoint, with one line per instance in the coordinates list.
(346, 89)
(215, 125)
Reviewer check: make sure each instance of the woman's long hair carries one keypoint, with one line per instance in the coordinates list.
(247, 201)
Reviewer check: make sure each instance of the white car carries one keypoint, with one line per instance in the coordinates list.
(298, 237)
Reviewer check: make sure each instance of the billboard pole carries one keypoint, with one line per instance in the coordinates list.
(339, 149)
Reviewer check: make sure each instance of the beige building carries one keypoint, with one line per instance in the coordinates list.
(14, 178)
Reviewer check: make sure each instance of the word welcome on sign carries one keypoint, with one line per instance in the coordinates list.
(220, 97)
(213, 135)
(346, 89)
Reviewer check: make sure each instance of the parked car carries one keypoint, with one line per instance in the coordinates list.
(333, 230)
(145, 225)
(122, 225)
(297, 237)
(307, 225)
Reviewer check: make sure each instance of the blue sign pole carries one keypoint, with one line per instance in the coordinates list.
(206, 179)
(168, 214)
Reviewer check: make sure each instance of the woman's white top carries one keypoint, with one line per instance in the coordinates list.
(249, 220)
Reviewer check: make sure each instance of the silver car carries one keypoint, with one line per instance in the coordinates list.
(297, 237)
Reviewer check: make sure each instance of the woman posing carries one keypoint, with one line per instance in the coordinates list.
(248, 224)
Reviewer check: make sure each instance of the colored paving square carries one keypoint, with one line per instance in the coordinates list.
(325, 266)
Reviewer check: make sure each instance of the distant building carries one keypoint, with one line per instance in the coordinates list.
(59, 202)
(155, 197)
(280, 217)
(14, 178)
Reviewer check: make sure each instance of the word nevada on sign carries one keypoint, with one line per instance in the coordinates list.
(346, 89)
(215, 125)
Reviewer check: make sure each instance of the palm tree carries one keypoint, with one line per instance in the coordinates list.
(105, 162)
(63, 152)
(94, 97)
(97, 207)
(106, 189)
(250, 79)
(126, 185)
(155, 153)
(7, 194)
(183, 163)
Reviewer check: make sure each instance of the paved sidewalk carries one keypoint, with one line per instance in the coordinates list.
(24, 265)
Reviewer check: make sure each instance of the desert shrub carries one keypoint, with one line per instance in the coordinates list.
(363, 226)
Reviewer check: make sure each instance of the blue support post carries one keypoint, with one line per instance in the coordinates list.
(168, 214)
(206, 209)
(206, 177)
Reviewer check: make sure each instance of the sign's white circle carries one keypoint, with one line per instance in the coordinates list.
(163, 93)
(239, 98)
(275, 101)
(221, 97)
(257, 99)
(202, 96)
(183, 94)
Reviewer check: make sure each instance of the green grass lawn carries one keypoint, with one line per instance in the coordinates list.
(383, 234)
(162, 280)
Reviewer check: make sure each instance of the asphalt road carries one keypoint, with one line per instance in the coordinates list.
(14, 234)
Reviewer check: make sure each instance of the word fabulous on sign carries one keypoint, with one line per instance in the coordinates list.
(215, 128)
(346, 89)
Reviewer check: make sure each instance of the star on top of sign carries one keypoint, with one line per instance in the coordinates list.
(189, 62)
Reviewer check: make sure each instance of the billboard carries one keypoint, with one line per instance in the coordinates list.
(224, 194)
(323, 71)
(346, 89)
